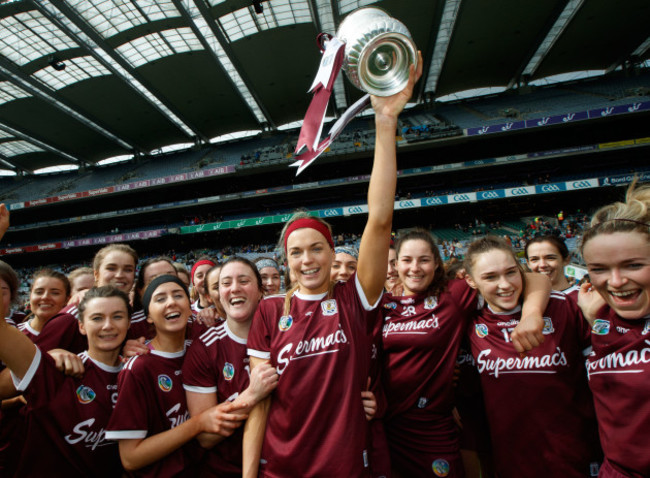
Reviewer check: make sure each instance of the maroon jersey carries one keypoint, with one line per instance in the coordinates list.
(151, 400)
(378, 443)
(140, 327)
(316, 424)
(62, 332)
(30, 332)
(475, 432)
(217, 363)
(422, 336)
(544, 394)
(572, 292)
(10, 420)
(619, 377)
(65, 420)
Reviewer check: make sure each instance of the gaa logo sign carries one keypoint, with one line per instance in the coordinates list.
(489, 195)
(355, 210)
(581, 184)
(519, 192)
(330, 213)
(406, 204)
(461, 197)
(550, 188)
(433, 201)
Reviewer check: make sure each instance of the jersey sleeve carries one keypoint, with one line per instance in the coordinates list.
(259, 336)
(464, 297)
(362, 295)
(582, 326)
(60, 332)
(41, 381)
(198, 372)
(129, 418)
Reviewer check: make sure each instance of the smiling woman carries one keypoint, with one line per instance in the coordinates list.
(151, 418)
(317, 337)
(617, 251)
(48, 295)
(217, 371)
(549, 255)
(425, 317)
(547, 389)
(65, 416)
(112, 265)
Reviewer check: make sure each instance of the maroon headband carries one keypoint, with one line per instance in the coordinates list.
(311, 224)
(200, 263)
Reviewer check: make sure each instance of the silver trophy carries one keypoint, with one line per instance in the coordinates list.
(378, 51)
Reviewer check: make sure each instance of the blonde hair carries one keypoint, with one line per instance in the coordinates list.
(300, 214)
(104, 251)
(79, 271)
(633, 215)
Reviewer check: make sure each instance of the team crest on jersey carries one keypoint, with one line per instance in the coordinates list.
(329, 307)
(646, 329)
(165, 383)
(440, 467)
(481, 330)
(600, 327)
(430, 302)
(85, 394)
(286, 321)
(228, 371)
(390, 305)
(548, 326)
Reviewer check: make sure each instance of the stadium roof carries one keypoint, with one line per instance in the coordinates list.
(85, 80)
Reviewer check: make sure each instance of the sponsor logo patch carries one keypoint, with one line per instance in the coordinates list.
(600, 327)
(85, 394)
(440, 467)
(481, 330)
(548, 326)
(430, 302)
(164, 383)
(329, 307)
(286, 321)
(228, 371)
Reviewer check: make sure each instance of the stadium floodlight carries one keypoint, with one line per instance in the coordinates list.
(445, 30)
(554, 33)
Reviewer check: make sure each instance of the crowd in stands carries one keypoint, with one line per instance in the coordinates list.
(379, 359)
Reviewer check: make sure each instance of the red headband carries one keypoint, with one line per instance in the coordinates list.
(200, 263)
(311, 224)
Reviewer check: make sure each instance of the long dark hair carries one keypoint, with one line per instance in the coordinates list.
(439, 281)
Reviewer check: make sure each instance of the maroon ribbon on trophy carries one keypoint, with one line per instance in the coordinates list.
(312, 126)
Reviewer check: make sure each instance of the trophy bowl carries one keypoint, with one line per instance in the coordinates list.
(378, 51)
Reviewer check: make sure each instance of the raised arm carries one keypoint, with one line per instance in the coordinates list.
(16, 350)
(375, 241)
(4, 220)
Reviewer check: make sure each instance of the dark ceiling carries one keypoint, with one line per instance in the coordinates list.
(141, 75)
